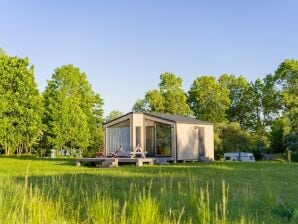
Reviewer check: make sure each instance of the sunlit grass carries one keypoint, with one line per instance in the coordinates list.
(56, 191)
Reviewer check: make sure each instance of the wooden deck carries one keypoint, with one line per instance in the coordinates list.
(114, 162)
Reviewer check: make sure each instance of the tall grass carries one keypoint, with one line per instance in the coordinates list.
(51, 202)
(142, 196)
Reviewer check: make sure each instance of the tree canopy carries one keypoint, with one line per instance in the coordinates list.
(113, 115)
(235, 139)
(240, 96)
(208, 100)
(287, 79)
(74, 112)
(169, 98)
(20, 105)
(261, 114)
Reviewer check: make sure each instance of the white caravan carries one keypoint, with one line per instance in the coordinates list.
(239, 156)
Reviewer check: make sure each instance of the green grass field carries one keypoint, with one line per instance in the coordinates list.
(36, 190)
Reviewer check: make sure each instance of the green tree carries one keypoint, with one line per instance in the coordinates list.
(236, 139)
(240, 99)
(261, 141)
(231, 138)
(286, 77)
(169, 98)
(73, 116)
(141, 105)
(291, 141)
(20, 105)
(280, 127)
(175, 99)
(95, 124)
(265, 103)
(271, 100)
(256, 102)
(218, 146)
(155, 101)
(113, 115)
(208, 100)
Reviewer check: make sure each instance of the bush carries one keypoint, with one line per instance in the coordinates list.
(89, 153)
(258, 154)
(294, 157)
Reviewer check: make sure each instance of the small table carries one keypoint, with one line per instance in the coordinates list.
(137, 155)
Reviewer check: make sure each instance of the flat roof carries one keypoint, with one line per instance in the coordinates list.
(177, 118)
(168, 117)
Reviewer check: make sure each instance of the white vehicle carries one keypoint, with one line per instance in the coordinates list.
(239, 156)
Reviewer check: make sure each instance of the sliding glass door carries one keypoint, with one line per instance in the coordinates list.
(163, 140)
(159, 140)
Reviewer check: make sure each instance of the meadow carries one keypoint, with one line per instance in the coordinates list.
(35, 190)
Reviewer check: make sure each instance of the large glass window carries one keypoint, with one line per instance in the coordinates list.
(163, 140)
(158, 139)
(117, 135)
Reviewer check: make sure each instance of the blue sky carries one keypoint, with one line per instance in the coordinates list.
(124, 46)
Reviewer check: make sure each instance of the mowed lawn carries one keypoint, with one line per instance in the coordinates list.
(34, 190)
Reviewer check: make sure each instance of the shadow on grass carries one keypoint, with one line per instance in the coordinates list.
(67, 161)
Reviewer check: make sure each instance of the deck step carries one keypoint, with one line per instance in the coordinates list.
(114, 162)
(110, 163)
(162, 162)
(205, 159)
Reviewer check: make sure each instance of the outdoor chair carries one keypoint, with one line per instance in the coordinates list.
(119, 153)
(138, 152)
(99, 154)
